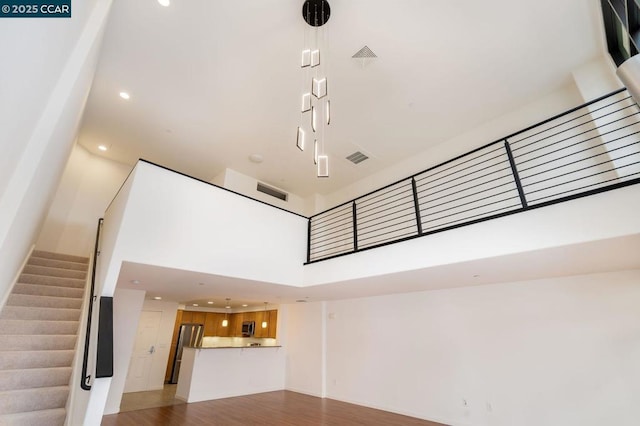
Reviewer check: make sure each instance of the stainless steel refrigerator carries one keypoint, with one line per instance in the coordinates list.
(189, 335)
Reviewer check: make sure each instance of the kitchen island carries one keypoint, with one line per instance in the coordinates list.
(223, 372)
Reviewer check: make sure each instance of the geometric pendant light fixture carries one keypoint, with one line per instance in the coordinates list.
(315, 106)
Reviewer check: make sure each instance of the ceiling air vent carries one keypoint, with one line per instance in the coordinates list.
(364, 53)
(272, 191)
(357, 157)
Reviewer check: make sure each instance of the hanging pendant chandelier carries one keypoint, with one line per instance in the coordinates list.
(315, 106)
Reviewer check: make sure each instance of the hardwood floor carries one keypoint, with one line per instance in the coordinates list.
(282, 408)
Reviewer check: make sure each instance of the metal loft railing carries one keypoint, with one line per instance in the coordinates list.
(589, 149)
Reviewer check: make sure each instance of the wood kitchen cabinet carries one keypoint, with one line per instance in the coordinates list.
(273, 324)
(235, 324)
(212, 322)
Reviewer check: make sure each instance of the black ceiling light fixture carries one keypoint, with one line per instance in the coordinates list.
(316, 12)
(315, 108)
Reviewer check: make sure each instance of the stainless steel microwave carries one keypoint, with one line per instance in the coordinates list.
(248, 328)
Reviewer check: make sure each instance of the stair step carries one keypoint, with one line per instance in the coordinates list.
(42, 314)
(19, 360)
(43, 301)
(48, 290)
(55, 281)
(54, 272)
(31, 327)
(59, 256)
(53, 263)
(51, 417)
(22, 400)
(37, 342)
(34, 378)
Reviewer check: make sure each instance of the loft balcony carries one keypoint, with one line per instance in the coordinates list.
(458, 213)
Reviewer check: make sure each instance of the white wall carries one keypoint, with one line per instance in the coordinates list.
(558, 351)
(246, 185)
(177, 222)
(304, 342)
(49, 67)
(127, 305)
(88, 185)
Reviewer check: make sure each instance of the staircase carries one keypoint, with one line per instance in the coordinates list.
(38, 333)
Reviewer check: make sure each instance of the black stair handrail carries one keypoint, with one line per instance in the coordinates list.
(84, 379)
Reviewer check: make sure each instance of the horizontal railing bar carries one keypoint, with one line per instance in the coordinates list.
(337, 219)
(475, 200)
(503, 154)
(374, 234)
(399, 195)
(467, 210)
(591, 121)
(333, 245)
(499, 148)
(402, 237)
(582, 178)
(384, 217)
(399, 202)
(387, 190)
(324, 241)
(343, 229)
(329, 218)
(385, 233)
(431, 200)
(338, 233)
(341, 247)
(604, 144)
(562, 114)
(580, 160)
(637, 180)
(471, 180)
(395, 221)
(576, 171)
(423, 188)
(344, 225)
(569, 121)
(369, 202)
(574, 144)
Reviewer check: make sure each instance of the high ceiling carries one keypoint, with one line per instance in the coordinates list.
(212, 82)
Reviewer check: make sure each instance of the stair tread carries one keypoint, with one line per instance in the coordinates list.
(59, 256)
(49, 417)
(30, 359)
(33, 399)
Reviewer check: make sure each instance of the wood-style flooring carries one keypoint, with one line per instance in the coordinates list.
(282, 408)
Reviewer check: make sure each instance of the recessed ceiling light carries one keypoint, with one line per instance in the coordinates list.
(195, 304)
(135, 281)
(211, 303)
(158, 298)
(125, 95)
(102, 147)
(228, 307)
(244, 305)
(164, 3)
